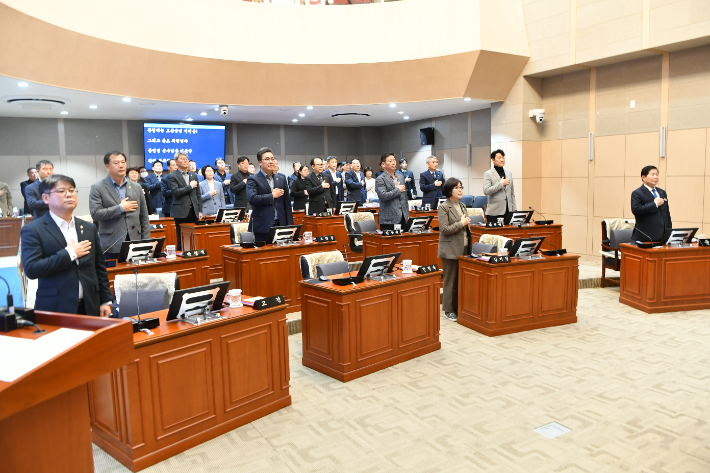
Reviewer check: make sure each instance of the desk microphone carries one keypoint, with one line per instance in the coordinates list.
(119, 239)
(138, 308)
(641, 244)
(541, 222)
(10, 320)
(556, 252)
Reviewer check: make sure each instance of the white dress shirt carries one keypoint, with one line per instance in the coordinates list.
(651, 191)
(68, 229)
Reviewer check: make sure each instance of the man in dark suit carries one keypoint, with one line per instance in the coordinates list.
(238, 185)
(336, 178)
(409, 182)
(187, 202)
(319, 187)
(33, 195)
(355, 182)
(64, 254)
(152, 182)
(32, 177)
(165, 187)
(649, 204)
(267, 192)
(430, 182)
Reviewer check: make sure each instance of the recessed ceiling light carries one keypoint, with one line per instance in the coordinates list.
(203, 113)
(294, 120)
(189, 119)
(301, 114)
(93, 106)
(467, 99)
(310, 107)
(22, 84)
(64, 112)
(407, 117)
(393, 105)
(126, 99)
(400, 113)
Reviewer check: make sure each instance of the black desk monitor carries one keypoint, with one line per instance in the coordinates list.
(345, 207)
(231, 215)
(438, 202)
(378, 265)
(676, 236)
(526, 246)
(191, 302)
(283, 234)
(140, 250)
(518, 217)
(417, 224)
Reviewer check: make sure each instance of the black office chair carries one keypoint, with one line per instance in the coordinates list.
(355, 242)
(236, 230)
(476, 219)
(149, 300)
(611, 253)
(329, 269)
(479, 248)
(365, 226)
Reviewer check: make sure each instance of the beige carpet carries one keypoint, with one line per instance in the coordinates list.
(634, 388)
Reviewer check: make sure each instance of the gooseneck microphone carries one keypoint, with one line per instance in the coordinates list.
(138, 308)
(640, 231)
(557, 251)
(541, 222)
(119, 239)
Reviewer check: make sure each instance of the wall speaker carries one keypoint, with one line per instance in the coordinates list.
(427, 136)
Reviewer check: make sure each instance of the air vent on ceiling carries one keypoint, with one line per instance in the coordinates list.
(350, 115)
(36, 100)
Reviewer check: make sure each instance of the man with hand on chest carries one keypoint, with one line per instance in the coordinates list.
(430, 182)
(267, 192)
(649, 204)
(187, 202)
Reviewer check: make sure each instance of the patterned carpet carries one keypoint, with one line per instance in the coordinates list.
(634, 388)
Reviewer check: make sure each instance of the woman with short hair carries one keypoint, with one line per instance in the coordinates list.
(370, 186)
(299, 190)
(211, 192)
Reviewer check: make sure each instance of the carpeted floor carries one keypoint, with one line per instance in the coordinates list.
(634, 388)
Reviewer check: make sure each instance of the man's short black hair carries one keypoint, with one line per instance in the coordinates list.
(403, 160)
(158, 162)
(107, 156)
(50, 182)
(384, 157)
(31, 169)
(240, 159)
(217, 160)
(330, 158)
(493, 154)
(192, 161)
(448, 188)
(261, 152)
(168, 161)
(313, 161)
(41, 163)
(647, 169)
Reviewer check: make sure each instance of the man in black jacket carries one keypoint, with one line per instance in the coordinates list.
(649, 204)
(238, 185)
(319, 186)
(187, 204)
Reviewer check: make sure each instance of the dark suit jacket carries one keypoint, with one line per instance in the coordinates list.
(238, 188)
(225, 188)
(652, 220)
(411, 186)
(148, 202)
(319, 198)
(337, 187)
(33, 197)
(45, 258)
(298, 188)
(355, 188)
(263, 203)
(154, 187)
(429, 190)
(23, 186)
(167, 195)
(184, 195)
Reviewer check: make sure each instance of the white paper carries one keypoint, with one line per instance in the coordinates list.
(552, 430)
(24, 355)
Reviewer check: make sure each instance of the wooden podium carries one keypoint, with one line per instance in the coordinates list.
(44, 415)
(9, 235)
(421, 248)
(497, 299)
(665, 279)
(552, 233)
(334, 225)
(211, 237)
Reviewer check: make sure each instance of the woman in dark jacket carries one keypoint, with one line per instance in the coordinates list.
(298, 189)
(134, 175)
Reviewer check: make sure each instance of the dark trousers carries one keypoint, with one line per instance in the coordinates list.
(263, 236)
(390, 226)
(450, 296)
(191, 218)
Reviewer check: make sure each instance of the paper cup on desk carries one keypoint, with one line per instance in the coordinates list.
(308, 237)
(170, 252)
(407, 266)
(397, 227)
(234, 296)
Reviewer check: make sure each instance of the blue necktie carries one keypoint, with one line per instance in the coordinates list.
(654, 193)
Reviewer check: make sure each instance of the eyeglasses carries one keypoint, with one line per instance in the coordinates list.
(268, 159)
(70, 191)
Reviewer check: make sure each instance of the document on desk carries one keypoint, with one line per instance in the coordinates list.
(20, 355)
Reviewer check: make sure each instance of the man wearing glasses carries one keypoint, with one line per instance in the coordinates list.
(267, 192)
(319, 184)
(64, 254)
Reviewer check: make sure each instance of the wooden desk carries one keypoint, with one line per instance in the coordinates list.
(552, 233)
(168, 232)
(497, 299)
(335, 225)
(271, 268)
(421, 248)
(189, 271)
(188, 384)
(349, 332)
(298, 216)
(665, 279)
(210, 237)
(423, 213)
(10, 235)
(44, 416)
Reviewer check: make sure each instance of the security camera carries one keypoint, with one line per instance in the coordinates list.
(538, 114)
(224, 110)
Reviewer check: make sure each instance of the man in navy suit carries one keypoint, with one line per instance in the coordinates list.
(33, 176)
(187, 204)
(336, 177)
(430, 182)
(153, 183)
(649, 204)
(64, 254)
(355, 182)
(165, 188)
(408, 179)
(33, 195)
(267, 192)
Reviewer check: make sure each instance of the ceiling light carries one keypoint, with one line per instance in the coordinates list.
(467, 99)
(400, 113)
(310, 107)
(64, 112)
(203, 113)
(294, 120)
(216, 109)
(407, 117)
(393, 105)
(22, 84)
(126, 99)
(93, 106)
(301, 114)
(189, 119)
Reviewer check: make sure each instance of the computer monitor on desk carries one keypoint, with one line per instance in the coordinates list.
(518, 217)
(526, 247)
(141, 250)
(345, 207)
(283, 234)
(378, 266)
(231, 215)
(198, 304)
(678, 236)
(417, 224)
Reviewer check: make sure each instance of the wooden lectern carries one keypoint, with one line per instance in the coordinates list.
(44, 414)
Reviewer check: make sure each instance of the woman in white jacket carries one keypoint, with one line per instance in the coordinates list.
(211, 191)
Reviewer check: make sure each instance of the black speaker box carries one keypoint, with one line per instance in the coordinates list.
(427, 135)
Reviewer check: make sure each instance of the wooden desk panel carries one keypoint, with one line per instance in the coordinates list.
(298, 216)
(167, 232)
(210, 237)
(519, 296)
(335, 225)
(189, 271)
(271, 268)
(349, 332)
(188, 384)
(422, 213)
(665, 279)
(552, 233)
(421, 248)
(10, 235)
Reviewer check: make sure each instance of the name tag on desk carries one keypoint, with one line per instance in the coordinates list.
(494, 225)
(267, 302)
(325, 238)
(194, 253)
(430, 268)
(391, 232)
(499, 259)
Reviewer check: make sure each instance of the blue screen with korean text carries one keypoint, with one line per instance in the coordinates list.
(202, 143)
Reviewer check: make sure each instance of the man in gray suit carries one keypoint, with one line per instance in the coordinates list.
(118, 207)
(187, 204)
(391, 190)
(498, 186)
